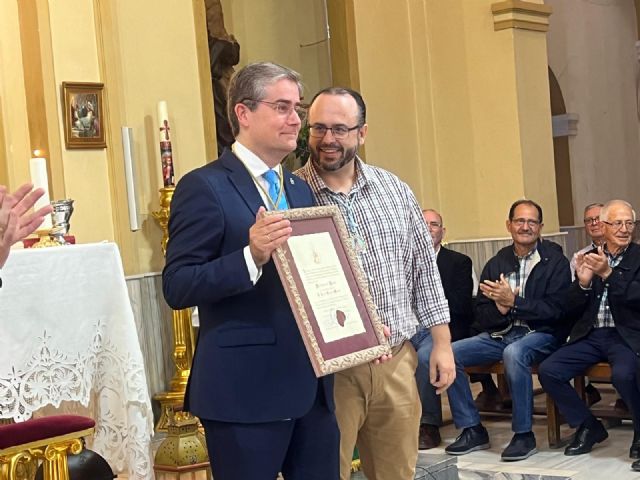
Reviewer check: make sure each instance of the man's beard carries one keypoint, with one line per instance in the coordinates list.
(334, 165)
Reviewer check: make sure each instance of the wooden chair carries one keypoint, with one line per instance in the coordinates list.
(47, 439)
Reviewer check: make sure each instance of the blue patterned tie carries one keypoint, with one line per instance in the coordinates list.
(274, 189)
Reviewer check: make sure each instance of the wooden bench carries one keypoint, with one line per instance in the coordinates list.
(554, 420)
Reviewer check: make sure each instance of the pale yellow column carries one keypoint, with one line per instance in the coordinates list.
(458, 101)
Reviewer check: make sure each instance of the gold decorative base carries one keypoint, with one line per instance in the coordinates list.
(20, 462)
(44, 240)
(169, 401)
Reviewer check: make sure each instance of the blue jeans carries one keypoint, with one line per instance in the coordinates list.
(518, 349)
(430, 400)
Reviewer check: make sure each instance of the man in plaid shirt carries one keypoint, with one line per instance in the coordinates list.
(519, 312)
(378, 407)
(605, 299)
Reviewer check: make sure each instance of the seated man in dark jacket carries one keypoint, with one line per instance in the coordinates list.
(519, 312)
(456, 274)
(605, 299)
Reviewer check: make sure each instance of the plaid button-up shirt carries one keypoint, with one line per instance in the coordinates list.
(394, 247)
(604, 318)
(519, 277)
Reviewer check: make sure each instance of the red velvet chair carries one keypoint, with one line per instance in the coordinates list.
(47, 439)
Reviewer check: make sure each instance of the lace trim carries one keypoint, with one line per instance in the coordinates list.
(111, 382)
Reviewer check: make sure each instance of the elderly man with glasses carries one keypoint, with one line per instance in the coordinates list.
(252, 384)
(519, 312)
(605, 300)
(594, 230)
(378, 407)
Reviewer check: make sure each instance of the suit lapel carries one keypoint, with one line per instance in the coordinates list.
(293, 189)
(242, 181)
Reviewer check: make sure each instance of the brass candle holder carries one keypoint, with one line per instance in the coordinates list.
(183, 340)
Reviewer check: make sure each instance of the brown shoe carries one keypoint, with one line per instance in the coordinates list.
(488, 402)
(429, 437)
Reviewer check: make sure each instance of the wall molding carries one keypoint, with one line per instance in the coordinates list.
(565, 125)
(522, 15)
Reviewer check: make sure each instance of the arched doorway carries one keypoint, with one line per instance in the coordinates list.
(562, 159)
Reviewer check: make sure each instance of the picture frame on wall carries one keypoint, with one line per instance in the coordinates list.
(83, 108)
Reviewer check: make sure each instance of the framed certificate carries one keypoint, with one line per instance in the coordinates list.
(328, 291)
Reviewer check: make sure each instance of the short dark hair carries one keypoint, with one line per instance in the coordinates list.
(362, 108)
(531, 203)
(248, 86)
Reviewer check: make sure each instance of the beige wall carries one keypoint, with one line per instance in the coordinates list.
(280, 31)
(15, 150)
(592, 52)
(457, 110)
(75, 58)
(143, 51)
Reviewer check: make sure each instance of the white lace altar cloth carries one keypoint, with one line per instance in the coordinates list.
(67, 334)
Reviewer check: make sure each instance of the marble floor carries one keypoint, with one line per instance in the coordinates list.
(608, 460)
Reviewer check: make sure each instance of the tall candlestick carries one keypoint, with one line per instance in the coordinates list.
(166, 153)
(40, 179)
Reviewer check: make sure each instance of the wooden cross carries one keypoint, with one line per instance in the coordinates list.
(165, 129)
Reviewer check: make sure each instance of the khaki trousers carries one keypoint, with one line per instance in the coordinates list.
(378, 408)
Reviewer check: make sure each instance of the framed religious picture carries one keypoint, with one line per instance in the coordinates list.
(328, 292)
(82, 104)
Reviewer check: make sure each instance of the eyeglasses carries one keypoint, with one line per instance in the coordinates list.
(284, 108)
(592, 220)
(617, 225)
(434, 224)
(521, 221)
(339, 132)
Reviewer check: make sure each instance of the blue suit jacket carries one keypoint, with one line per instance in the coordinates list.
(250, 363)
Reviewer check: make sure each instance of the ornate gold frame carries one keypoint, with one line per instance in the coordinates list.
(321, 365)
(69, 91)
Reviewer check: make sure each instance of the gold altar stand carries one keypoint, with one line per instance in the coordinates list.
(183, 340)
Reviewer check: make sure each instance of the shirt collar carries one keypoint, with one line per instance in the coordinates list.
(363, 176)
(613, 258)
(528, 255)
(251, 161)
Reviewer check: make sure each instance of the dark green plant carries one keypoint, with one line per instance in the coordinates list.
(302, 150)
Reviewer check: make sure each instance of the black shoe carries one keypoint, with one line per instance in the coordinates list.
(470, 440)
(522, 446)
(634, 450)
(586, 437)
(592, 395)
(620, 406)
(429, 437)
(636, 466)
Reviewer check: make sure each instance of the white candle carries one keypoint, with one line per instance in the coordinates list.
(40, 179)
(163, 113)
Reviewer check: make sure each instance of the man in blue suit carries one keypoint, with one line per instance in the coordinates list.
(251, 384)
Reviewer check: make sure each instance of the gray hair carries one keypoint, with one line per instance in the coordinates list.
(436, 212)
(249, 83)
(604, 213)
(592, 205)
